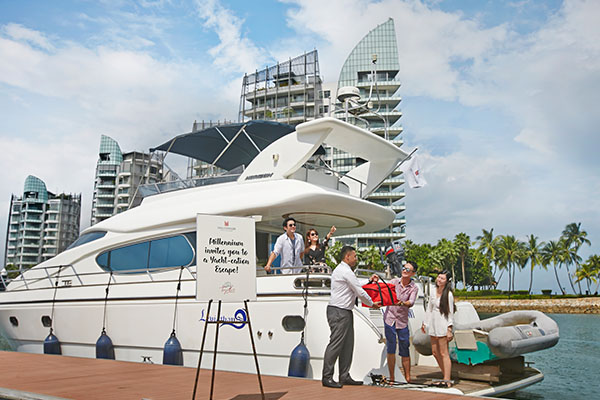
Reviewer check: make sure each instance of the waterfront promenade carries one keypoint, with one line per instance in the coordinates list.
(584, 305)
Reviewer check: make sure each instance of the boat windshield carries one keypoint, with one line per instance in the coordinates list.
(86, 238)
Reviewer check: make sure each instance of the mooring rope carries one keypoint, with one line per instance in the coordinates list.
(54, 299)
(105, 302)
(176, 299)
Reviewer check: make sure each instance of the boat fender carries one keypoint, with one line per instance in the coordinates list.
(422, 343)
(104, 347)
(172, 354)
(299, 361)
(51, 344)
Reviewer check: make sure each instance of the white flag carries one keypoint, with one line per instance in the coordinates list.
(412, 173)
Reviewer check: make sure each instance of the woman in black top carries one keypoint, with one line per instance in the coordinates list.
(314, 253)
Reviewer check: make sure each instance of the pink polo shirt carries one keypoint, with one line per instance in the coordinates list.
(397, 316)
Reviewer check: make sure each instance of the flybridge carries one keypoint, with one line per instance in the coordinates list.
(262, 150)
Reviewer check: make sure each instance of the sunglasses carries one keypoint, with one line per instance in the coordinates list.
(407, 269)
(290, 225)
(314, 234)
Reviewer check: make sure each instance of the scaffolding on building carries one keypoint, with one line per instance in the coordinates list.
(287, 92)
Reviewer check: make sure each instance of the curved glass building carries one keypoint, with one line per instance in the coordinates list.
(373, 68)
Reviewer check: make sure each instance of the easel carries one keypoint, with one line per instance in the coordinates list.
(218, 322)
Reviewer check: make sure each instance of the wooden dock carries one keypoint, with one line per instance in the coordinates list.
(37, 376)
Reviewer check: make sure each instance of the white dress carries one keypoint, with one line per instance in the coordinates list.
(435, 322)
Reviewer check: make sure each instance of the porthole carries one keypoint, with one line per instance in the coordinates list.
(46, 321)
(293, 323)
(301, 283)
(14, 321)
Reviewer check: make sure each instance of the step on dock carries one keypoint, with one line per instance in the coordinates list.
(39, 376)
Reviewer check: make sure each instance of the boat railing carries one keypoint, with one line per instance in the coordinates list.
(60, 276)
(63, 276)
(151, 189)
(304, 174)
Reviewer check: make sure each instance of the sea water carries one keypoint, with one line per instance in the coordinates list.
(571, 368)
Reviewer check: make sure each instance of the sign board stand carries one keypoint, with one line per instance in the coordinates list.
(218, 322)
(225, 272)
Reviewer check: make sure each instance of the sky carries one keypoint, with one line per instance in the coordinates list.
(501, 98)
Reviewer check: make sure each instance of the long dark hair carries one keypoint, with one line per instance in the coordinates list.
(308, 241)
(444, 303)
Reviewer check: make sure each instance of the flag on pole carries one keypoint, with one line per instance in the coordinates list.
(412, 173)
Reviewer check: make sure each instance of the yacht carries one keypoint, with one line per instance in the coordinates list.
(133, 276)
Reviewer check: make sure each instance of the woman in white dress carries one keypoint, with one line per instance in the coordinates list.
(439, 319)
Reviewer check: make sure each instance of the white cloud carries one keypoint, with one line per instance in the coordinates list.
(430, 41)
(235, 52)
(22, 34)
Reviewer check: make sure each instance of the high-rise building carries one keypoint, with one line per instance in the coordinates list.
(118, 176)
(372, 67)
(293, 92)
(40, 224)
(287, 92)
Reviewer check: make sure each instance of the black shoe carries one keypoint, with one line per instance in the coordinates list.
(350, 381)
(328, 382)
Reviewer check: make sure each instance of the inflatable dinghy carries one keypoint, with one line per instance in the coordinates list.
(504, 336)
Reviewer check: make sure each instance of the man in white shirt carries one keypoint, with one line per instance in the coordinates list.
(290, 247)
(345, 288)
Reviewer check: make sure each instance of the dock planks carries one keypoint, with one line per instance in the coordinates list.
(85, 378)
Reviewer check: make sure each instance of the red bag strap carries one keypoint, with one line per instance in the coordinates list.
(388, 288)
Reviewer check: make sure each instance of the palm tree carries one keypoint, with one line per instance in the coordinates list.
(488, 247)
(575, 237)
(462, 242)
(532, 253)
(552, 253)
(570, 256)
(510, 252)
(590, 271)
(444, 255)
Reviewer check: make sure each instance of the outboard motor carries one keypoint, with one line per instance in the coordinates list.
(104, 347)
(395, 255)
(172, 354)
(299, 361)
(51, 344)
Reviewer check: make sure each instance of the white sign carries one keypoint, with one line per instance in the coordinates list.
(225, 258)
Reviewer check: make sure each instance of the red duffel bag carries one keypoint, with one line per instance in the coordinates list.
(382, 292)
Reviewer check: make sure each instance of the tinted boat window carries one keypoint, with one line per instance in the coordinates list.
(86, 238)
(170, 252)
(175, 251)
(130, 258)
(102, 260)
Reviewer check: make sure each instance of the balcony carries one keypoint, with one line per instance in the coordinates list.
(394, 180)
(399, 220)
(398, 207)
(106, 185)
(392, 85)
(387, 195)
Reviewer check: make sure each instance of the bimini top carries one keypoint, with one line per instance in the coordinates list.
(227, 146)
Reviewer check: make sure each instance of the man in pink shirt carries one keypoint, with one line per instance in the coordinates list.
(396, 319)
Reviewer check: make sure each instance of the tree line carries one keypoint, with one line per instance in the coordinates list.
(483, 262)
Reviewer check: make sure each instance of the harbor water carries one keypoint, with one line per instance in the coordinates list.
(570, 368)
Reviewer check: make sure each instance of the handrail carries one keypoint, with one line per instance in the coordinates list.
(47, 273)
